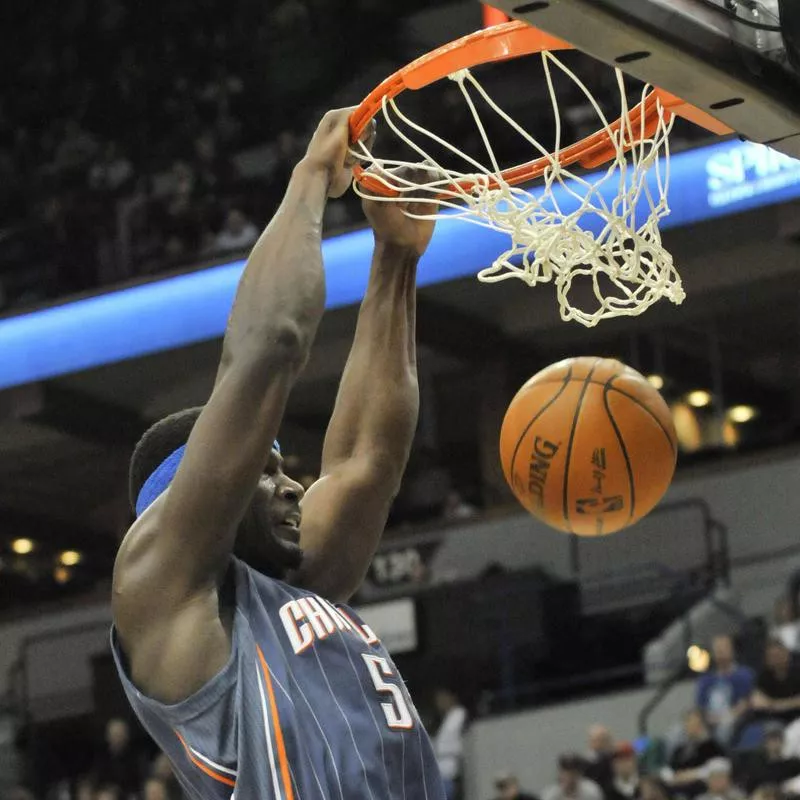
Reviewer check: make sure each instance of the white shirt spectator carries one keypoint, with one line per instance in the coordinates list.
(456, 508)
(719, 785)
(448, 743)
(791, 740)
(111, 172)
(585, 790)
(789, 634)
(238, 234)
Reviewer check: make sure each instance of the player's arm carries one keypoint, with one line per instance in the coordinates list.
(169, 567)
(369, 437)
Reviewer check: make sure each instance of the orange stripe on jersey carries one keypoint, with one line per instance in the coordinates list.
(200, 765)
(276, 724)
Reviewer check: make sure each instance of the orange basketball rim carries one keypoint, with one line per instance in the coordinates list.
(502, 43)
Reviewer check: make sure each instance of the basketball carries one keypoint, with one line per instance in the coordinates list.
(588, 446)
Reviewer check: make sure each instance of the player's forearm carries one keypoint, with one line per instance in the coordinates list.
(378, 401)
(281, 295)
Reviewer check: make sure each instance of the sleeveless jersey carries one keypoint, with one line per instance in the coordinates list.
(309, 707)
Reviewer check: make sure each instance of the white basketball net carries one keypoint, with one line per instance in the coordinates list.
(623, 260)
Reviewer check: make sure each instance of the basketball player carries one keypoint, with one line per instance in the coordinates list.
(229, 634)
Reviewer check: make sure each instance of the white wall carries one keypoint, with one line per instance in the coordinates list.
(60, 667)
(528, 744)
(758, 502)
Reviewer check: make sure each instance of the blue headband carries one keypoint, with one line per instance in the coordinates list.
(162, 476)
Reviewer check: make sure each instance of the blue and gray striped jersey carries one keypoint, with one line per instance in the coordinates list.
(309, 707)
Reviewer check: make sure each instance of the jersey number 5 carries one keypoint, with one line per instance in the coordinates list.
(397, 713)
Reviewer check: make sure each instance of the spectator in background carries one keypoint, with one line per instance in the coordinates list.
(76, 149)
(625, 774)
(19, 793)
(238, 233)
(154, 789)
(215, 172)
(599, 755)
(181, 207)
(768, 793)
(162, 770)
(508, 788)
(777, 692)
(768, 765)
(111, 171)
(84, 788)
(723, 693)
(572, 785)
(109, 792)
(448, 741)
(117, 764)
(791, 740)
(786, 626)
(307, 480)
(651, 788)
(719, 784)
(426, 486)
(698, 748)
(457, 508)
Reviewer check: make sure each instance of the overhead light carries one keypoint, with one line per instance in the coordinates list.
(731, 433)
(22, 546)
(687, 427)
(741, 413)
(69, 558)
(62, 575)
(699, 398)
(656, 381)
(698, 658)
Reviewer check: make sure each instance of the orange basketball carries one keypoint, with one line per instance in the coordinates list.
(588, 446)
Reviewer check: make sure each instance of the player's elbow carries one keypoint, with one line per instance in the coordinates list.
(282, 347)
(290, 342)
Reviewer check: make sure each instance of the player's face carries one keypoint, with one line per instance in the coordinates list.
(269, 535)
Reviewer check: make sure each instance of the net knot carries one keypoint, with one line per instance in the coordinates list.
(459, 76)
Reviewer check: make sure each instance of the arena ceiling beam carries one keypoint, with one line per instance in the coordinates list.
(92, 419)
(456, 333)
(45, 528)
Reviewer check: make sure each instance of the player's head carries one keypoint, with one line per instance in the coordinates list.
(268, 535)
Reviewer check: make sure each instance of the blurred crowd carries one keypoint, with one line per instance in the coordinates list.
(123, 767)
(140, 139)
(741, 739)
(123, 149)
